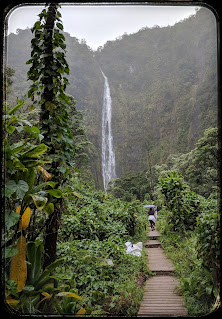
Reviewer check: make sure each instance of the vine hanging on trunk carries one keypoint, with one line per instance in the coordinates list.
(47, 72)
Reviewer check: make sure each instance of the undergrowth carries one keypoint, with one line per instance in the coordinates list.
(92, 241)
(195, 279)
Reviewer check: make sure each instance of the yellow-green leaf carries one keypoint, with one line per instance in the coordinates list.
(55, 192)
(39, 201)
(49, 208)
(18, 267)
(35, 151)
(21, 103)
(46, 295)
(81, 312)
(25, 218)
(11, 301)
(49, 106)
(68, 294)
(77, 195)
(18, 209)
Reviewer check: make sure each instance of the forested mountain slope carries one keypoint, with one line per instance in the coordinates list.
(163, 85)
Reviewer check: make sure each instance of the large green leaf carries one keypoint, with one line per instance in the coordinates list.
(38, 261)
(68, 294)
(31, 256)
(38, 200)
(37, 188)
(10, 188)
(28, 163)
(53, 265)
(34, 255)
(10, 129)
(22, 189)
(49, 208)
(11, 220)
(18, 106)
(10, 252)
(17, 147)
(55, 193)
(34, 131)
(30, 177)
(35, 151)
(18, 164)
(59, 25)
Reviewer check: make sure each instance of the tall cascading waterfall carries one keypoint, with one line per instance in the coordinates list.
(108, 155)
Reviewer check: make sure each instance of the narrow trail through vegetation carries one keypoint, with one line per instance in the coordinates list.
(65, 237)
(161, 297)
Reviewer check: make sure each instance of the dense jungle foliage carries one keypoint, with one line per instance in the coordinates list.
(64, 240)
(163, 85)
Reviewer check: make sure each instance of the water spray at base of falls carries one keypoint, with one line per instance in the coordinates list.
(108, 155)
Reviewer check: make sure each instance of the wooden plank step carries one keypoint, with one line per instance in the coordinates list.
(152, 243)
(172, 312)
(169, 313)
(154, 280)
(163, 309)
(158, 315)
(153, 233)
(162, 288)
(158, 262)
(176, 302)
(161, 298)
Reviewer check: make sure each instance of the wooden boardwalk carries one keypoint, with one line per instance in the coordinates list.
(161, 297)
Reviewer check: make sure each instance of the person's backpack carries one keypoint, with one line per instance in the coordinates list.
(151, 212)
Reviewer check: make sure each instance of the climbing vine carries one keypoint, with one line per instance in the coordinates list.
(47, 72)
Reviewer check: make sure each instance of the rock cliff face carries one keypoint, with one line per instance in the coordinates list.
(163, 85)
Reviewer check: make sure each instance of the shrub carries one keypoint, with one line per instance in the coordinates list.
(183, 205)
(173, 188)
(208, 239)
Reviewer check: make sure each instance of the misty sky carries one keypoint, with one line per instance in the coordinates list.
(99, 23)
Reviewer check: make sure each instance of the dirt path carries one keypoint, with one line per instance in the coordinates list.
(161, 297)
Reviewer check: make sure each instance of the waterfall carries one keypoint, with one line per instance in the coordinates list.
(108, 155)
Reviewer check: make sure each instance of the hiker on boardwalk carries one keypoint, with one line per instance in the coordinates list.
(152, 218)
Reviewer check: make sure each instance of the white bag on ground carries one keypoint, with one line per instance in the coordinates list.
(109, 262)
(134, 249)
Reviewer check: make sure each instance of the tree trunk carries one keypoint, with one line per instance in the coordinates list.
(52, 227)
(53, 221)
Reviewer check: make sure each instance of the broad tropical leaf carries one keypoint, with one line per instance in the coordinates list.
(18, 106)
(18, 267)
(55, 193)
(38, 200)
(68, 294)
(81, 312)
(22, 188)
(12, 302)
(10, 188)
(35, 151)
(11, 220)
(10, 252)
(25, 218)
